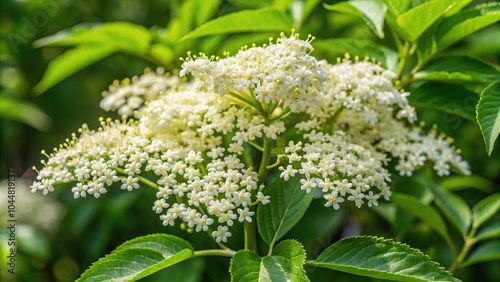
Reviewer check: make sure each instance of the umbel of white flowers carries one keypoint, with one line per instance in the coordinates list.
(191, 141)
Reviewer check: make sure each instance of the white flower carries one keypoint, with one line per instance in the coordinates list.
(221, 234)
(159, 205)
(130, 183)
(245, 214)
(333, 200)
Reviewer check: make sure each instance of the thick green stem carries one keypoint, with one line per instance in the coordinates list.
(220, 253)
(249, 227)
(249, 233)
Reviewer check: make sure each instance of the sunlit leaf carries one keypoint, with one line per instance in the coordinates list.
(291, 250)
(415, 21)
(247, 266)
(372, 12)
(121, 35)
(380, 258)
(466, 22)
(262, 20)
(488, 114)
(139, 258)
(70, 62)
(397, 7)
(357, 47)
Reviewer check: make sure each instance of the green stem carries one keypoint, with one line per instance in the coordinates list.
(404, 60)
(285, 112)
(249, 233)
(249, 227)
(221, 253)
(468, 244)
(143, 180)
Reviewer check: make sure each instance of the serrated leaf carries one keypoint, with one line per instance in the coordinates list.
(247, 266)
(261, 20)
(70, 62)
(138, 258)
(453, 207)
(488, 232)
(288, 205)
(358, 47)
(449, 98)
(486, 252)
(488, 114)
(466, 22)
(426, 213)
(371, 11)
(381, 258)
(485, 209)
(292, 250)
(458, 69)
(414, 22)
(24, 112)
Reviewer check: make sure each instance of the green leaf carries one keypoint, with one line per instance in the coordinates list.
(247, 266)
(292, 250)
(489, 232)
(486, 252)
(380, 258)
(397, 7)
(372, 12)
(121, 35)
(261, 20)
(309, 6)
(414, 22)
(485, 209)
(458, 69)
(24, 112)
(453, 207)
(426, 213)
(357, 47)
(466, 22)
(138, 258)
(70, 62)
(288, 205)
(208, 10)
(457, 6)
(448, 98)
(488, 114)
(458, 182)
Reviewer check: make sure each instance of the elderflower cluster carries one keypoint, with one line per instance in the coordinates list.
(206, 153)
(341, 170)
(282, 72)
(129, 95)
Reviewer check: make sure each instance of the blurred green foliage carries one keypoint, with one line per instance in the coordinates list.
(90, 229)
